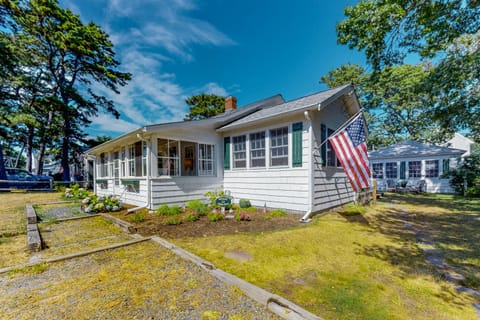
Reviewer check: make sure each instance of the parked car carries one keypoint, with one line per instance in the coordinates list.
(22, 179)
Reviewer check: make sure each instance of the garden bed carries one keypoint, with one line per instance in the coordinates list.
(156, 224)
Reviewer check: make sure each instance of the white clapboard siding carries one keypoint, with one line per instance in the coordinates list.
(330, 188)
(138, 198)
(276, 188)
(439, 186)
(179, 190)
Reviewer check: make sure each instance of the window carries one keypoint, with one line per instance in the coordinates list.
(331, 157)
(239, 152)
(414, 169)
(189, 167)
(116, 168)
(103, 168)
(168, 161)
(123, 158)
(257, 149)
(279, 147)
(391, 170)
(206, 161)
(377, 170)
(431, 168)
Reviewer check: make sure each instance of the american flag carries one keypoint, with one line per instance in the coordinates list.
(351, 149)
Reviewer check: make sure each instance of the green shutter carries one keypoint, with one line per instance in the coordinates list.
(226, 153)
(323, 148)
(297, 130)
(446, 166)
(402, 170)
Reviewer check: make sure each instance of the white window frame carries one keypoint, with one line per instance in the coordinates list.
(239, 151)
(206, 159)
(170, 158)
(391, 173)
(418, 170)
(279, 145)
(377, 174)
(432, 172)
(257, 141)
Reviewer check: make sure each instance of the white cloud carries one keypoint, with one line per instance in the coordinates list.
(214, 88)
(108, 123)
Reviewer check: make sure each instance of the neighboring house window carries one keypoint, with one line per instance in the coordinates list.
(446, 166)
(279, 147)
(116, 168)
(257, 149)
(391, 170)
(377, 170)
(168, 158)
(206, 162)
(239, 152)
(414, 169)
(431, 168)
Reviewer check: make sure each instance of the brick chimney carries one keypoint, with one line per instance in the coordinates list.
(230, 103)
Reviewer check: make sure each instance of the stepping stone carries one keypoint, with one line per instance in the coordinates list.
(452, 276)
(468, 290)
(432, 251)
(436, 261)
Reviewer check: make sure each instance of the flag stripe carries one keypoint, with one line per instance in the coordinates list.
(351, 150)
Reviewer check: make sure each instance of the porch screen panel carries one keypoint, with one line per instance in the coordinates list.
(297, 129)
(206, 156)
(138, 159)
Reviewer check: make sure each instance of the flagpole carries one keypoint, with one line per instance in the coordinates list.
(340, 128)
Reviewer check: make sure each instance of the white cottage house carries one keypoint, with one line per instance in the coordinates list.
(267, 152)
(412, 161)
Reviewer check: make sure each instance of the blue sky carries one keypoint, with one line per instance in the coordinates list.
(249, 49)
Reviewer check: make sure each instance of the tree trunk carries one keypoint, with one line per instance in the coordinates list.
(29, 147)
(3, 174)
(19, 155)
(65, 151)
(43, 144)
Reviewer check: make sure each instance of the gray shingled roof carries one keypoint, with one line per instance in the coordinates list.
(411, 149)
(297, 105)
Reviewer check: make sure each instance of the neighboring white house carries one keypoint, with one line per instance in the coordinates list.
(460, 142)
(269, 152)
(412, 161)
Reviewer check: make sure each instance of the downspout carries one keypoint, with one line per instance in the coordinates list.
(306, 217)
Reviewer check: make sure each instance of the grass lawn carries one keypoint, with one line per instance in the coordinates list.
(366, 267)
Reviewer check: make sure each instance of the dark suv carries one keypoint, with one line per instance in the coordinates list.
(22, 179)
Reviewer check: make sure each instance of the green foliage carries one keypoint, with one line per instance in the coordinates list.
(168, 210)
(197, 206)
(138, 217)
(191, 217)
(214, 217)
(469, 172)
(244, 203)
(277, 213)
(243, 216)
(354, 209)
(174, 220)
(444, 34)
(204, 106)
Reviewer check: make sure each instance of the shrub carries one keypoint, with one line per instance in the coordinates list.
(197, 206)
(244, 203)
(173, 220)
(191, 217)
(165, 210)
(215, 217)
(277, 213)
(354, 209)
(138, 217)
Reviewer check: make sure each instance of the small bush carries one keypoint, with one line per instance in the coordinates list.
(198, 206)
(138, 217)
(166, 210)
(277, 213)
(244, 203)
(215, 217)
(354, 209)
(243, 216)
(191, 217)
(173, 220)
